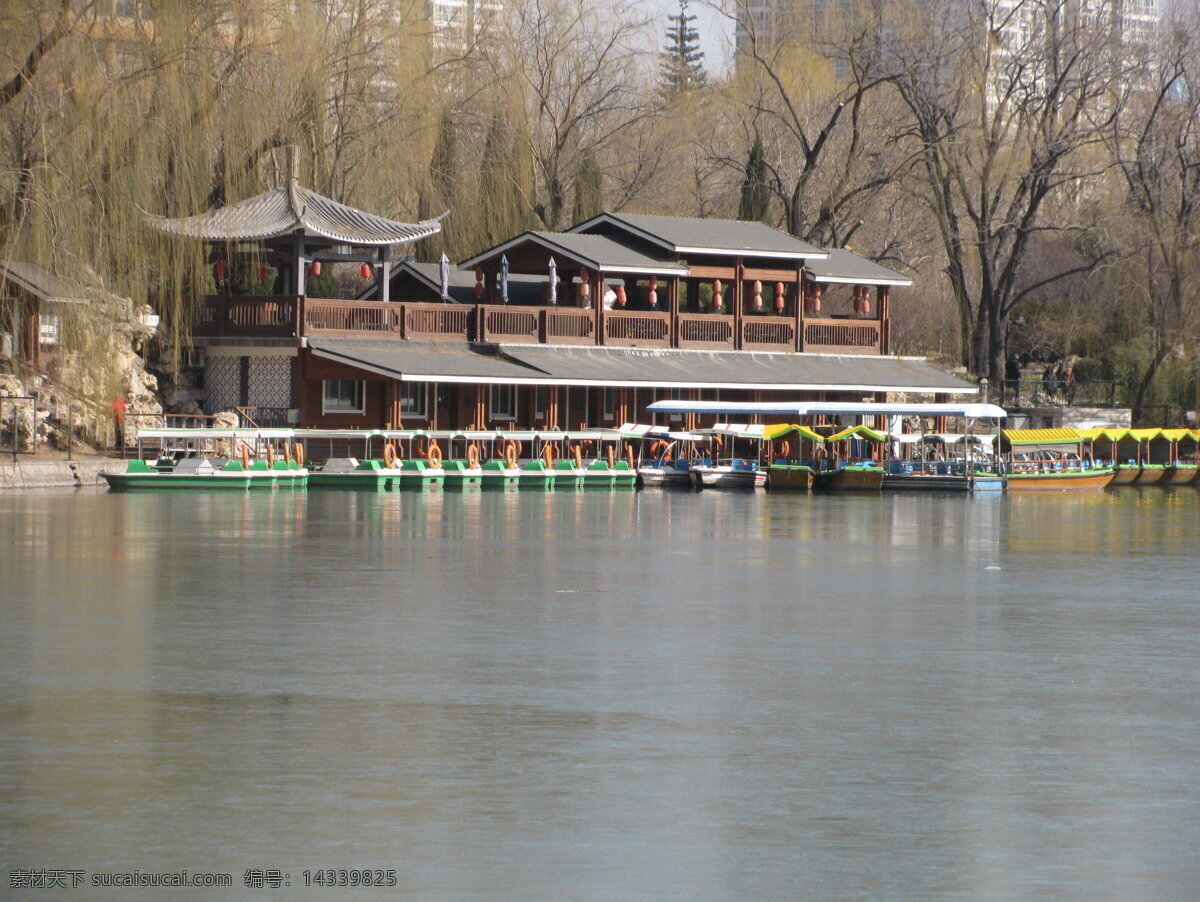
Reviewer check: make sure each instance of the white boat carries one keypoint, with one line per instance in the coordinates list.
(671, 474)
(737, 474)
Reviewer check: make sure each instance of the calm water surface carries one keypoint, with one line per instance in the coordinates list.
(606, 696)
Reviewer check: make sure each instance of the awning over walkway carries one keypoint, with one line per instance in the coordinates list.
(645, 368)
(634, 368)
(415, 362)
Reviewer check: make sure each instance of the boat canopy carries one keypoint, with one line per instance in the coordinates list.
(857, 432)
(784, 430)
(1145, 435)
(736, 430)
(1043, 436)
(1113, 434)
(1181, 435)
(832, 408)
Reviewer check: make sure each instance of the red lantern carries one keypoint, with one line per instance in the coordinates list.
(621, 299)
(779, 297)
(365, 271)
(585, 289)
(316, 267)
(757, 303)
(478, 281)
(262, 274)
(652, 297)
(716, 295)
(219, 270)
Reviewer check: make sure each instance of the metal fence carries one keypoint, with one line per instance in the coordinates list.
(1039, 392)
(19, 436)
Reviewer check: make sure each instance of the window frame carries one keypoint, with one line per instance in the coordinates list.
(360, 396)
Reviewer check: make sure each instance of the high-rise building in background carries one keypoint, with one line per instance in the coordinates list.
(457, 24)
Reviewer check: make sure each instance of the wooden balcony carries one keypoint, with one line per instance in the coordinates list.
(842, 336)
(302, 316)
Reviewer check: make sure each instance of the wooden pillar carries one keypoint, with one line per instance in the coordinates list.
(393, 392)
(598, 289)
(479, 417)
(739, 290)
(883, 310)
(385, 273)
(673, 308)
(552, 405)
(299, 265)
(799, 311)
(939, 422)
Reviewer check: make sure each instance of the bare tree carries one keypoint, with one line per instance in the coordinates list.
(1155, 140)
(1007, 103)
(578, 69)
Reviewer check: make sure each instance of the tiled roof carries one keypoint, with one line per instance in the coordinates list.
(284, 211)
(849, 267)
(684, 235)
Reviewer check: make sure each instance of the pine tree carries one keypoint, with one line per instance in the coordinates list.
(682, 66)
(756, 197)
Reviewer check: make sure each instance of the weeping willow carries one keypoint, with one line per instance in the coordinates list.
(172, 107)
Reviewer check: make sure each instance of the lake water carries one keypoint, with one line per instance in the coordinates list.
(605, 696)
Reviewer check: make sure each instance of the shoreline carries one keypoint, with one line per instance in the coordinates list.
(46, 474)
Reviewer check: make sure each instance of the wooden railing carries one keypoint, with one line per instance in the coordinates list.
(247, 315)
(705, 330)
(643, 330)
(842, 336)
(349, 317)
(565, 326)
(521, 325)
(291, 316)
(768, 333)
(435, 322)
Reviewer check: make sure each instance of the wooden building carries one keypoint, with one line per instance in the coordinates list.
(640, 308)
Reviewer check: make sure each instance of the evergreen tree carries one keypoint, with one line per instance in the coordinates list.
(589, 188)
(682, 66)
(756, 198)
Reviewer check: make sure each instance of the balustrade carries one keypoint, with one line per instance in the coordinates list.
(705, 330)
(842, 336)
(637, 329)
(565, 326)
(512, 324)
(292, 316)
(769, 333)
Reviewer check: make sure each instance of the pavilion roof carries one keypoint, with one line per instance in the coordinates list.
(39, 282)
(598, 252)
(847, 267)
(689, 235)
(289, 210)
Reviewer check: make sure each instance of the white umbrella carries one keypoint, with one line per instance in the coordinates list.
(553, 283)
(504, 280)
(445, 278)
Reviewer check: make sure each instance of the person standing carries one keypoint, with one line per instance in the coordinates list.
(117, 410)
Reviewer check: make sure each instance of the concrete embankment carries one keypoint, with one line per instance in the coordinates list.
(44, 474)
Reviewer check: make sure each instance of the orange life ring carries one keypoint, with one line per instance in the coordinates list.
(629, 453)
(548, 454)
(578, 449)
(612, 457)
(433, 454)
(270, 455)
(245, 456)
(719, 442)
(784, 449)
(510, 455)
(287, 452)
(663, 447)
(472, 457)
(389, 455)
(299, 454)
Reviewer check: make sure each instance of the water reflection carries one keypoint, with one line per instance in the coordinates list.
(668, 695)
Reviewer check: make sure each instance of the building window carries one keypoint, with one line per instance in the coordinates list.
(503, 402)
(343, 396)
(539, 403)
(48, 329)
(610, 403)
(413, 399)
